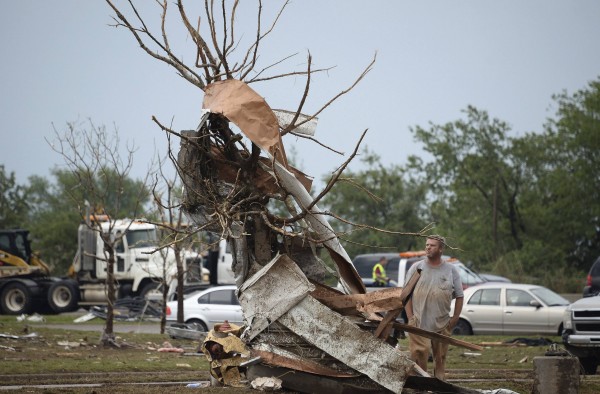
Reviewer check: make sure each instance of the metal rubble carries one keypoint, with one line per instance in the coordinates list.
(310, 335)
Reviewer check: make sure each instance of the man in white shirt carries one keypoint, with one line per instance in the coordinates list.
(429, 306)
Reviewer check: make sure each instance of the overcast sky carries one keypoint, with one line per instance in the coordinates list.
(62, 62)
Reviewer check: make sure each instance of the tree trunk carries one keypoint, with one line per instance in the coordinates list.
(109, 336)
(180, 274)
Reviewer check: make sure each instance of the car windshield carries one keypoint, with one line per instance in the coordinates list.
(468, 277)
(549, 297)
(142, 238)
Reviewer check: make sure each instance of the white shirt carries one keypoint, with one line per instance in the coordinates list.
(433, 294)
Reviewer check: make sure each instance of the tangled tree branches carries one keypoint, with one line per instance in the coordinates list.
(215, 149)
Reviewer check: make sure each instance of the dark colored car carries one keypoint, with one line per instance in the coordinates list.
(592, 284)
(494, 278)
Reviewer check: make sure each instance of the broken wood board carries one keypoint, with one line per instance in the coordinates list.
(435, 335)
(350, 301)
(342, 339)
(385, 326)
(502, 344)
(384, 305)
(322, 291)
(410, 286)
(366, 305)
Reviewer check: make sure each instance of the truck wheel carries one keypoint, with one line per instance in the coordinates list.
(589, 364)
(16, 299)
(63, 296)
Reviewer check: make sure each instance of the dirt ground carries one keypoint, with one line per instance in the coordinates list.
(54, 360)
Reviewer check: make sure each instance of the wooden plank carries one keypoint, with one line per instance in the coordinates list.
(351, 300)
(366, 304)
(388, 304)
(410, 286)
(502, 344)
(385, 326)
(439, 337)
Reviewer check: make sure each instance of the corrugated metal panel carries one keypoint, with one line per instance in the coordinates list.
(342, 339)
(271, 292)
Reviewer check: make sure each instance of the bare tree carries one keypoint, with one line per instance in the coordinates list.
(92, 155)
(175, 235)
(230, 177)
(219, 58)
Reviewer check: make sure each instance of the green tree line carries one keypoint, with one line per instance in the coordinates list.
(48, 209)
(526, 207)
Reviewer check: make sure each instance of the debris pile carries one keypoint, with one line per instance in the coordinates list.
(294, 321)
(239, 184)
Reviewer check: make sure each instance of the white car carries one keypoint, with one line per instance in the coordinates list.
(207, 307)
(510, 308)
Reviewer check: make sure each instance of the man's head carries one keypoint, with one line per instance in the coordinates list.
(434, 246)
(383, 261)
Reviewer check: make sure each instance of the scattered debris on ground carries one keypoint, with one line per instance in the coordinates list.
(11, 336)
(35, 318)
(185, 331)
(530, 341)
(128, 310)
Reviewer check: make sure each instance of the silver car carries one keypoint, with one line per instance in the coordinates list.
(510, 308)
(207, 307)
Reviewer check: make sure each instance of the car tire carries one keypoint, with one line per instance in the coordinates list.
(589, 365)
(462, 328)
(197, 324)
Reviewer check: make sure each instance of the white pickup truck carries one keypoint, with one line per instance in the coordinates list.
(581, 332)
(398, 265)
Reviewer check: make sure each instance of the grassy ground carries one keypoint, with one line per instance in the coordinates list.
(57, 356)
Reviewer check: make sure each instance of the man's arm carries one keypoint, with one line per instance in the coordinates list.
(458, 305)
